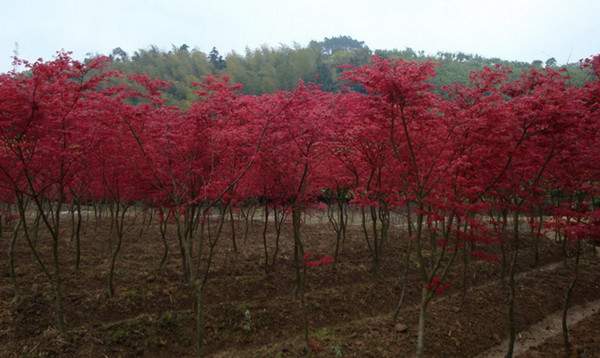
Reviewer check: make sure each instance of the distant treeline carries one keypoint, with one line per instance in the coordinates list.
(267, 69)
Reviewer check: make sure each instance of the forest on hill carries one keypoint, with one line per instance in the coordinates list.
(267, 69)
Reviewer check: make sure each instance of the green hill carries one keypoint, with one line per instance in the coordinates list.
(267, 69)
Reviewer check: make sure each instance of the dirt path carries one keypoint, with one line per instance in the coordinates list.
(540, 332)
(385, 317)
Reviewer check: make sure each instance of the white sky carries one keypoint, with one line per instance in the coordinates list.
(509, 29)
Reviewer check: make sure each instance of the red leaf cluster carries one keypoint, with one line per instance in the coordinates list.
(311, 260)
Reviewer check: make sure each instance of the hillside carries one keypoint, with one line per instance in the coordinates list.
(267, 69)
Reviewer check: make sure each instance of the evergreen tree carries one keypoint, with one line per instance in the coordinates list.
(216, 59)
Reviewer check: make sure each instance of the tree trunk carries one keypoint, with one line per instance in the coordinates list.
(298, 249)
(512, 330)
(344, 223)
(111, 272)
(78, 236)
(465, 273)
(232, 223)
(163, 235)
(422, 320)
(300, 272)
(279, 218)
(376, 241)
(568, 294)
(264, 236)
(183, 246)
(504, 267)
(404, 281)
(246, 215)
(119, 217)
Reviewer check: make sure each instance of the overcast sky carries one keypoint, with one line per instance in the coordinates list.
(509, 29)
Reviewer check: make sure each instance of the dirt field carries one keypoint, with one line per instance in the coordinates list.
(585, 336)
(251, 314)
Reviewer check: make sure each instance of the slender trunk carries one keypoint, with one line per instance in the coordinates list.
(409, 224)
(300, 271)
(384, 219)
(344, 223)
(252, 214)
(163, 235)
(189, 225)
(72, 214)
(119, 217)
(422, 320)
(36, 228)
(53, 226)
(279, 218)
(111, 272)
(336, 254)
(568, 295)
(110, 231)
(512, 329)
(564, 243)
(22, 207)
(146, 222)
(503, 244)
(199, 282)
(298, 249)
(78, 236)
(184, 263)
(246, 215)
(336, 224)
(376, 240)
(264, 236)
(96, 216)
(183, 246)
(404, 280)
(142, 224)
(537, 238)
(363, 222)
(465, 273)
(151, 217)
(232, 223)
(87, 219)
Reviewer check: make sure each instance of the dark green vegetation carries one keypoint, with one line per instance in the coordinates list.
(268, 69)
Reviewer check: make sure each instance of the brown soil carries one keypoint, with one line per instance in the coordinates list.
(539, 333)
(584, 336)
(249, 313)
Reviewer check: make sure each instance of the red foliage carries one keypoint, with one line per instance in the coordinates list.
(437, 286)
(311, 261)
(69, 129)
